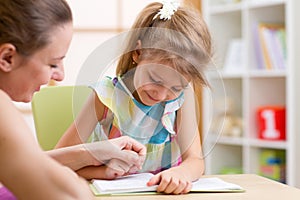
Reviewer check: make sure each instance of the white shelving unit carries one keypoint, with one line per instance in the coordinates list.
(250, 87)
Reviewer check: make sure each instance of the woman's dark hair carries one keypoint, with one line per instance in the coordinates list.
(28, 24)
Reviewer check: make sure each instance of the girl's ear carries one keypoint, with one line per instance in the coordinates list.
(7, 51)
(137, 52)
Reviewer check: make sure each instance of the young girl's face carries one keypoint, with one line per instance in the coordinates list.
(155, 83)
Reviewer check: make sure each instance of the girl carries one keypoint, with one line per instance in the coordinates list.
(151, 99)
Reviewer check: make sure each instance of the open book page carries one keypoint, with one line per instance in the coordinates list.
(138, 183)
(130, 183)
(214, 185)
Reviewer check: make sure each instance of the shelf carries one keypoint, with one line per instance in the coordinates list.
(227, 75)
(267, 144)
(232, 75)
(229, 140)
(265, 3)
(240, 141)
(226, 8)
(267, 73)
(253, 86)
(252, 74)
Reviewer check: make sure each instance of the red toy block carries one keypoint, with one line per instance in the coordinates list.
(271, 122)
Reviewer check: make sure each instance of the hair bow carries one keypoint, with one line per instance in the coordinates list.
(168, 9)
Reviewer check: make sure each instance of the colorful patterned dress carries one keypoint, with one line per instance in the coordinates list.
(153, 126)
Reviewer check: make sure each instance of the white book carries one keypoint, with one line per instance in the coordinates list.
(137, 184)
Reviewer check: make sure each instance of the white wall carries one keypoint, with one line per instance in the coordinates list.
(96, 21)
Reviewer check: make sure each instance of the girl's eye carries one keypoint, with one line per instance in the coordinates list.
(155, 81)
(176, 89)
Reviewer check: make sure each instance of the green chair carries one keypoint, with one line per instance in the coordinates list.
(54, 108)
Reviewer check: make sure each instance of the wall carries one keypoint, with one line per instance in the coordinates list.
(94, 23)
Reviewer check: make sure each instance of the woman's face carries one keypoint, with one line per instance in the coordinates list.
(155, 83)
(37, 70)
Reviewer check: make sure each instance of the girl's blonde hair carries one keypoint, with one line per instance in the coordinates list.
(182, 41)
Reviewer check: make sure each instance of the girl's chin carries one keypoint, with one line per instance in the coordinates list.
(149, 102)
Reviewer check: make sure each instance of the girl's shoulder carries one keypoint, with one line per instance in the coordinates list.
(104, 86)
(104, 90)
(104, 82)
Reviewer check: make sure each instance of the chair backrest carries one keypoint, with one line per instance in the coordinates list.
(54, 108)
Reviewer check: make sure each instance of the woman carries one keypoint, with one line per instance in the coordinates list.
(34, 38)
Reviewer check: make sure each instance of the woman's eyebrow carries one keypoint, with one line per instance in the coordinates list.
(59, 58)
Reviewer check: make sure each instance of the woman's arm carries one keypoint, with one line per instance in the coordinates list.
(125, 149)
(24, 166)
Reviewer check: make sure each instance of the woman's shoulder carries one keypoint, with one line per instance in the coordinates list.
(7, 107)
(4, 98)
(3, 94)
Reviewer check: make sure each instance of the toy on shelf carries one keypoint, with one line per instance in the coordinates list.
(227, 123)
(271, 122)
(272, 164)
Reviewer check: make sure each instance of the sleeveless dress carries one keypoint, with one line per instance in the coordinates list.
(154, 126)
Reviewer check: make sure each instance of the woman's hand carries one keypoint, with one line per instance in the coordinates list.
(123, 148)
(89, 159)
(171, 181)
(116, 168)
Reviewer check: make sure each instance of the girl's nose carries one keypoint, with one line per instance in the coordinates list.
(58, 73)
(162, 94)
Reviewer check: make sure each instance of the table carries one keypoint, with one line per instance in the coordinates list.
(257, 188)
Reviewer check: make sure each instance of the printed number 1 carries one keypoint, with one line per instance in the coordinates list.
(270, 131)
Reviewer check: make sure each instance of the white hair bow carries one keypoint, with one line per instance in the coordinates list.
(168, 9)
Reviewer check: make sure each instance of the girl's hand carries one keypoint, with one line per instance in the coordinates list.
(171, 181)
(116, 168)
